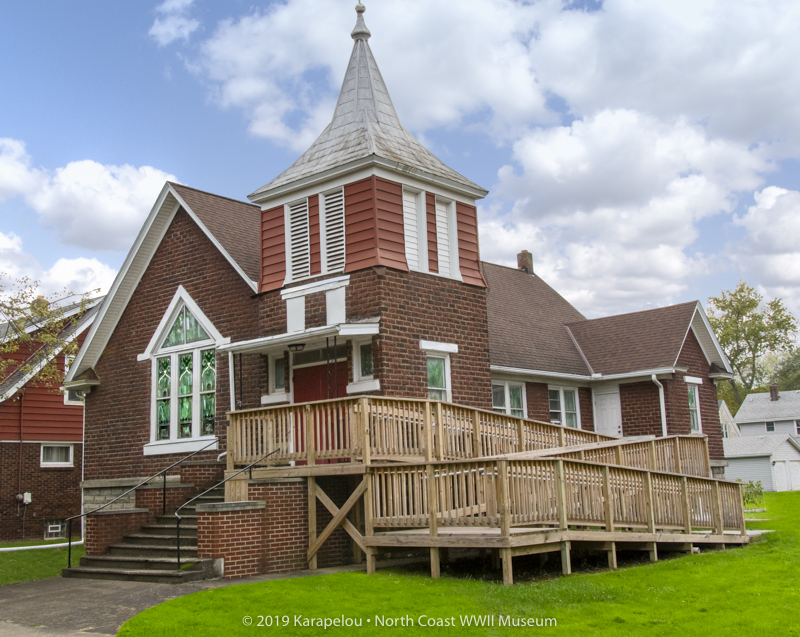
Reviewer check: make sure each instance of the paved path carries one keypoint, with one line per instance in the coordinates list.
(59, 607)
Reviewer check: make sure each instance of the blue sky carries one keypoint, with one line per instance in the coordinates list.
(646, 152)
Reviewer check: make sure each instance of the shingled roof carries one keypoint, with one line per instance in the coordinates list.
(235, 224)
(651, 339)
(533, 328)
(364, 124)
(760, 407)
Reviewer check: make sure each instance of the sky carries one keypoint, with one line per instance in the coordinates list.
(646, 152)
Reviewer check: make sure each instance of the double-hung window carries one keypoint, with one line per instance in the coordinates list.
(770, 427)
(695, 421)
(508, 398)
(184, 378)
(564, 406)
(797, 427)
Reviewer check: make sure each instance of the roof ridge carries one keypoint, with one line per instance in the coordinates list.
(654, 309)
(212, 194)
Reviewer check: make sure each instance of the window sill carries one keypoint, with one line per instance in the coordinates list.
(364, 385)
(60, 465)
(274, 399)
(185, 445)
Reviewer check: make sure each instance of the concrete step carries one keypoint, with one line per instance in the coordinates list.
(159, 540)
(134, 575)
(187, 530)
(138, 562)
(188, 519)
(152, 550)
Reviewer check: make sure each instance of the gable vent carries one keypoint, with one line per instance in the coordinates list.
(300, 265)
(443, 238)
(333, 253)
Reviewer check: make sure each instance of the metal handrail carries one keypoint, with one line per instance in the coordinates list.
(163, 502)
(219, 484)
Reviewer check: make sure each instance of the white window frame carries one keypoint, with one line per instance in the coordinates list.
(68, 360)
(361, 382)
(62, 533)
(155, 351)
(50, 465)
(507, 384)
(766, 427)
(440, 350)
(693, 385)
(561, 389)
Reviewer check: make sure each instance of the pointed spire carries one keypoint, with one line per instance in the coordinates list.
(361, 32)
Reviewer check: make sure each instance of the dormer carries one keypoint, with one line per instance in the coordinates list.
(367, 193)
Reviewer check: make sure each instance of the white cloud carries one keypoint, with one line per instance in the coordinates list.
(90, 205)
(78, 275)
(771, 248)
(173, 23)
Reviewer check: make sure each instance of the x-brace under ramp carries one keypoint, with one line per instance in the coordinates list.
(315, 541)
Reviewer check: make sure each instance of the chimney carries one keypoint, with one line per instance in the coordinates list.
(773, 392)
(39, 305)
(525, 261)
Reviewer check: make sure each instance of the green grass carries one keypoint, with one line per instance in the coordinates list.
(25, 566)
(748, 591)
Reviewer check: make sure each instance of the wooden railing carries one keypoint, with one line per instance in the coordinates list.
(549, 492)
(398, 429)
(410, 430)
(687, 455)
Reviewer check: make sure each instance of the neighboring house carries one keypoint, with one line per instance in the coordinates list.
(776, 412)
(772, 460)
(356, 272)
(650, 372)
(729, 428)
(41, 431)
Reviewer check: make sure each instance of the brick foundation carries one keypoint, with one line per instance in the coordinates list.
(236, 532)
(104, 529)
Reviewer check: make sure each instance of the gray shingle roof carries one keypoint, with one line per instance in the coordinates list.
(759, 407)
(747, 446)
(364, 124)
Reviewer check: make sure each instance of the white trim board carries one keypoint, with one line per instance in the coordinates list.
(133, 268)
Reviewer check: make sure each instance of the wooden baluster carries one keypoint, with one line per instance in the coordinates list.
(312, 518)
(366, 443)
(608, 505)
(561, 494)
(649, 502)
(520, 435)
(476, 434)
(311, 445)
(441, 436)
(427, 425)
(233, 450)
(561, 437)
(369, 517)
(707, 459)
(742, 522)
(618, 456)
(651, 448)
(716, 508)
(433, 520)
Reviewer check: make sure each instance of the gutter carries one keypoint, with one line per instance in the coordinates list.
(662, 405)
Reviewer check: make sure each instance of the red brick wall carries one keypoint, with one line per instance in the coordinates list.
(538, 401)
(587, 412)
(55, 492)
(238, 536)
(640, 407)
(153, 500)
(104, 529)
(118, 411)
(286, 523)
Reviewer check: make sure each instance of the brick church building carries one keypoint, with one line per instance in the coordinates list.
(357, 272)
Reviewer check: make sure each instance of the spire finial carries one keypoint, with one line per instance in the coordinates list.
(361, 32)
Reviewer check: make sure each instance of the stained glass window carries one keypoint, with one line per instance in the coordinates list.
(185, 329)
(208, 384)
(185, 387)
(279, 376)
(163, 390)
(366, 360)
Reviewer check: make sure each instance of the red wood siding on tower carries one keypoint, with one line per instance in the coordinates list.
(433, 250)
(359, 219)
(273, 249)
(389, 224)
(468, 250)
(314, 235)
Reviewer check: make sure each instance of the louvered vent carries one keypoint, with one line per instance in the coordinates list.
(334, 231)
(443, 238)
(410, 228)
(298, 240)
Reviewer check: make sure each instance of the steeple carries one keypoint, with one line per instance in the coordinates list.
(365, 129)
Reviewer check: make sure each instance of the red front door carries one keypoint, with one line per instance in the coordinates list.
(311, 383)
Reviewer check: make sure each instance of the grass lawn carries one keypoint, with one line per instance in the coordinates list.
(24, 566)
(748, 591)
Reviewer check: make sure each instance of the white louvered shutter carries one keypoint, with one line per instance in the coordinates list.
(443, 238)
(410, 229)
(333, 253)
(300, 258)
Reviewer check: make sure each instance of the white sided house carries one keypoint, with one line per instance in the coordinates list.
(776, 412)
(772, 460)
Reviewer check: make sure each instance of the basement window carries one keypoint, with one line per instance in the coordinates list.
(55, 529)
(56, 456)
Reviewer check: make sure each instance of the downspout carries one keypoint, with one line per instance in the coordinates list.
(662, 405)
(21, 430)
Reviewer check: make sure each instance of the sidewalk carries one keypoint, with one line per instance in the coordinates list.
(59, 607)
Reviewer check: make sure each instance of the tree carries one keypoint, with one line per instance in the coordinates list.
(35, 328)
(787, 375)
(748, 329)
